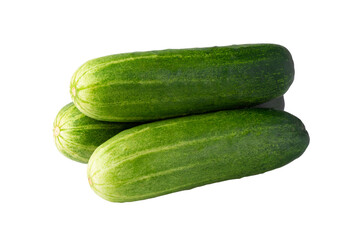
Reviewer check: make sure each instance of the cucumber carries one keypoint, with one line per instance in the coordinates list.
(145, 86)
(77, 136)
(182, 153)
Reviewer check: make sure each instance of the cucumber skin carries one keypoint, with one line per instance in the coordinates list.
(80, 135)
(146, 86)
(182, 153)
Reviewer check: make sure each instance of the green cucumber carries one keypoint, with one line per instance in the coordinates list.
(144, 86)
(182, 153)
(77, 136)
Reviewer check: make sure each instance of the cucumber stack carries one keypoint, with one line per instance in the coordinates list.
(153, 123)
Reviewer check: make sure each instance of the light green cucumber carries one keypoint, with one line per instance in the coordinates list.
(167, 156)
(77, 136)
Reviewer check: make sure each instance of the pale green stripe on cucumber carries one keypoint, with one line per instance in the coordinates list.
(162, 157)
(77, 136)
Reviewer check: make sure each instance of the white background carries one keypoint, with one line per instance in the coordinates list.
(46, 196)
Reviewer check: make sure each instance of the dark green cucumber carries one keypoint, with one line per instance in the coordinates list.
(77, 136)
(143, 86)
(182, 153)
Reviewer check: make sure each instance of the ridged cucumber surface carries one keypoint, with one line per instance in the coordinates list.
(144, 86)
(77, 136)
(182, 153)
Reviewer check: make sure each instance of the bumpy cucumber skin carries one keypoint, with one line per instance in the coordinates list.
(77, 136)
(144, 86)
(182, 153)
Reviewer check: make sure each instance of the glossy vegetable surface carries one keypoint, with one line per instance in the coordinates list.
(143, 86)
(182, 153)
(77, 136)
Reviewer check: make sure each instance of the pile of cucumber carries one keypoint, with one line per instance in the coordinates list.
(157, 122)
